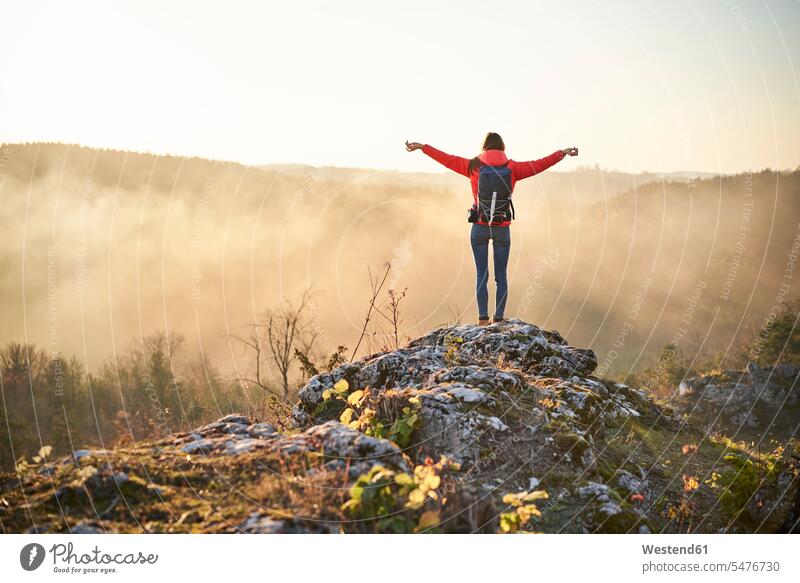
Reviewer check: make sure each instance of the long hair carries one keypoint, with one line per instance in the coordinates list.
(492, 141)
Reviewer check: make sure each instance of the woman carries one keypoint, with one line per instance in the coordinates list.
(487, 223)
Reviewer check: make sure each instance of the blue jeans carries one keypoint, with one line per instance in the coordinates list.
(501, 245)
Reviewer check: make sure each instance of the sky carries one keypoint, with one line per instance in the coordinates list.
(653, 85)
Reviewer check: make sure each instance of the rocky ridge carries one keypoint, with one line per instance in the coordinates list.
(500, 428)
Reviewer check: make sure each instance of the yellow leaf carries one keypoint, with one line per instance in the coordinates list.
(355, 397)
(381, 472)
(403, 479)
(341, 387)
(416, 498)
(347, 416)
(508, 522)
(537, 495)
(428, 519)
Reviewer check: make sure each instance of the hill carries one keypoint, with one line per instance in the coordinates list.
(502, 428)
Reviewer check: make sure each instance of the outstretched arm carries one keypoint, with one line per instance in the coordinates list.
(527, 169)
(454, 163)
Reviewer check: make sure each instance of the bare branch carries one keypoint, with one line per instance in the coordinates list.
(376, 285)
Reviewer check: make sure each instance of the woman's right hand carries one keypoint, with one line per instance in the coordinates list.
(411, 146)
(570, 151)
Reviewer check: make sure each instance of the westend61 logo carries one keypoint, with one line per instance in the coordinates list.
(66, 560)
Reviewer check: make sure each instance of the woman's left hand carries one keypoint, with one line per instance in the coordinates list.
(570, 151)
(411, 146)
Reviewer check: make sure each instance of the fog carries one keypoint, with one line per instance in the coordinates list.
(101, 247)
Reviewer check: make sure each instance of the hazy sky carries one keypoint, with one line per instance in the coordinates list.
(656, 85)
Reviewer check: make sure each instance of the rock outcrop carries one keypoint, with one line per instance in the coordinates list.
(467, 429)
(756, 403)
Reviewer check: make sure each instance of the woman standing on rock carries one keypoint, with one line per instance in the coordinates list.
(493, 177)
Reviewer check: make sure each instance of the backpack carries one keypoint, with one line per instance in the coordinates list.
(494, 195)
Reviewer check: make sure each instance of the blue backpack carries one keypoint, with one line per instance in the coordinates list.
(494, 196)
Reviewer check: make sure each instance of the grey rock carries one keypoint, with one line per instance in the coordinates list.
(119, 478)
(339, 445)
(741, 401)
(469, 354)
(342, 445)
(258, 523)
(631, 483)
(198, 446)
(86, 528)
(600, 494)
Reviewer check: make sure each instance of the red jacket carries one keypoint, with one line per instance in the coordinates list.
(519, 170)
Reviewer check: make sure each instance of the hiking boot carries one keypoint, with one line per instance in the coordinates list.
(483, 321)
(495, 319)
